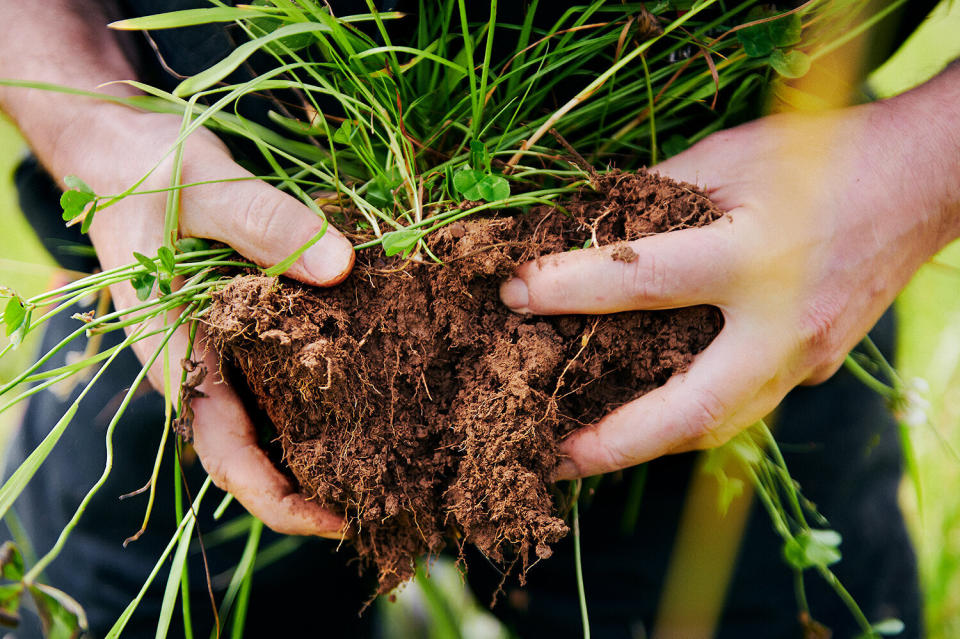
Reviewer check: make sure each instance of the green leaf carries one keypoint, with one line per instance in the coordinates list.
(889, 627)
(298, 126)
(192, 244)
(271, 24)
(380, 191)
(210, 76)
(343, 133)
(17, 338)
(164, 284)
(21, 476)
(675, 144)
(75, 200)
(741, 96)
(792, 64)
(755, 41)
(478, 155)
(378, 53)
(60, 614)
(75, 183)
(145, 261)
(143, 285)
(466, 181)
(813, 548)
(14, 314)
(172, 588)
(167, 263)
(401, 241)
(10, 596)
(493, 188)
(87, 221)
(760, 40)
(186, 18)
(11, 562)
(73, 203)
(477, 185)
(785, 31)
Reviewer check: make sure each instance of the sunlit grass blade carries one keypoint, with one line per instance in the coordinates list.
(193, 17)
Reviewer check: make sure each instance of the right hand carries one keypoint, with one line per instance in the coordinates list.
(111, 147)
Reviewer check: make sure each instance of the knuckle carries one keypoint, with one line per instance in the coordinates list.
(817, 335)
(613, 457)
(706, 413)
(646, 278)
(262, 216)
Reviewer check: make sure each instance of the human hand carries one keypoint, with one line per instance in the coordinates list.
(829, 217)
(111, 147)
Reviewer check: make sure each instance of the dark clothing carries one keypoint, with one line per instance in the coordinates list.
(840, 442)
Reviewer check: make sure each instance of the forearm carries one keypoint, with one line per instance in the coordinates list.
(63, 42)
(924, 126)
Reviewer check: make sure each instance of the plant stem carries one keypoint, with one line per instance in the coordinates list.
(869, 380)
(108, 465)
(578, 562)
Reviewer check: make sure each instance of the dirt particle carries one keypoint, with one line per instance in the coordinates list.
(623, 253)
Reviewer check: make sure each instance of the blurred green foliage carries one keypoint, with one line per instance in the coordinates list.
(929, 314)
(24, 265)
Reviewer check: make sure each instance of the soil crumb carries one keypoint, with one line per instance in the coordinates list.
(411, 400)
(623, 253)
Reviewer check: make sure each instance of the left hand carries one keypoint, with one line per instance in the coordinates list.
(829, 217)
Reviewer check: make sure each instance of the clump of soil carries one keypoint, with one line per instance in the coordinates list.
(411, 400)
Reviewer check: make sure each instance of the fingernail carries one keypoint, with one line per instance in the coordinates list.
(514, 294)
(329, 260)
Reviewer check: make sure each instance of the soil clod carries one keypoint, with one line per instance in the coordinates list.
(411, 400)
(623, 253)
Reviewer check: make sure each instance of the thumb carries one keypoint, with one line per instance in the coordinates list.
(266, 225)
(680, 268)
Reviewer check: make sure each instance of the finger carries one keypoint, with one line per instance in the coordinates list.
(266, 225)
(686, 412)
(671, 270)
(225, 441)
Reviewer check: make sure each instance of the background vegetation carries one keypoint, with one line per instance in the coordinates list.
(929, 312)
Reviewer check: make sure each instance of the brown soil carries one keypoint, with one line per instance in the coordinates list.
(411, 400)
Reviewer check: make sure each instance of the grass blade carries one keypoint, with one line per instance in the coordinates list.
(191, 17)
(121, 623)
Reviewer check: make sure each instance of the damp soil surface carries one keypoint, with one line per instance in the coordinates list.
(411, 400)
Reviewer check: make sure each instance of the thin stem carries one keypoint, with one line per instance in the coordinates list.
(650, 111)
(578, 562)
(848, 600)
(108, 465)
(869, 380)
